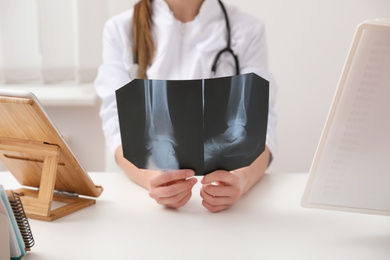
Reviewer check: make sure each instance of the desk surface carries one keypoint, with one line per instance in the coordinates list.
(267, 223)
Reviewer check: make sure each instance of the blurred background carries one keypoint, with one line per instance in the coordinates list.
(53, 49)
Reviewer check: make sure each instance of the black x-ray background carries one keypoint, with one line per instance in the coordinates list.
(198, 113)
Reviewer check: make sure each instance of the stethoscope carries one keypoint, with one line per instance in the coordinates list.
(134, 70)
(227, 48)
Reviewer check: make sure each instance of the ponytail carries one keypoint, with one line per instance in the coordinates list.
(143, 47)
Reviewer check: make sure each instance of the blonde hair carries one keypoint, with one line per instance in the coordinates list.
(143, 46)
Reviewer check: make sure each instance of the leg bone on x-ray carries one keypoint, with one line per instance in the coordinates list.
(160, 140)
(226, 144)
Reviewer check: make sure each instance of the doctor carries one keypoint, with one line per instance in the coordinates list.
(183, 39)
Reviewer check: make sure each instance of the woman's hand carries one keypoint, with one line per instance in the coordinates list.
(172, 188)
(221, 189)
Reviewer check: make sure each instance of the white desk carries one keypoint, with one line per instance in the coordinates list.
(267, 223)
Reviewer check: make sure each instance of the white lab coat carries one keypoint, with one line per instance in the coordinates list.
(183, 51)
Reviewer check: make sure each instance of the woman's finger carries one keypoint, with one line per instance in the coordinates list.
(216, 200)
(170, 176)
(218, 177)
(173, 188)
(176, 201)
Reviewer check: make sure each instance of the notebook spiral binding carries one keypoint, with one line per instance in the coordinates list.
(22, 221)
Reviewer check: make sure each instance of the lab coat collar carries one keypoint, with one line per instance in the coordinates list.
(206, 12)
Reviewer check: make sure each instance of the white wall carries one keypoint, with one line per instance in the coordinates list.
(308, 43)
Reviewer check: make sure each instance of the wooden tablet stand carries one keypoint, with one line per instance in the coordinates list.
(35, 153)
(37, 203)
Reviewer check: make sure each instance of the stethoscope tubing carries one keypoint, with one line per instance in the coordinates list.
(228, 46)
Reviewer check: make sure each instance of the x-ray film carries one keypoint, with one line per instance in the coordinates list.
(204, 125)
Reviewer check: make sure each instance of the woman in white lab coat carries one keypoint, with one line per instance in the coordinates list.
(179, 39)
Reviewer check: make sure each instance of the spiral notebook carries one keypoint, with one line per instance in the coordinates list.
(20, 237)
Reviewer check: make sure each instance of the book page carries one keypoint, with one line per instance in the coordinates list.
(4, 237)
(351, 168)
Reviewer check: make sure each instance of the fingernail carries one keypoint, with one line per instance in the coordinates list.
(190, 173)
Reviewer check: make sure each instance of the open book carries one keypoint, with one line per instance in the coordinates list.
(351, 168)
